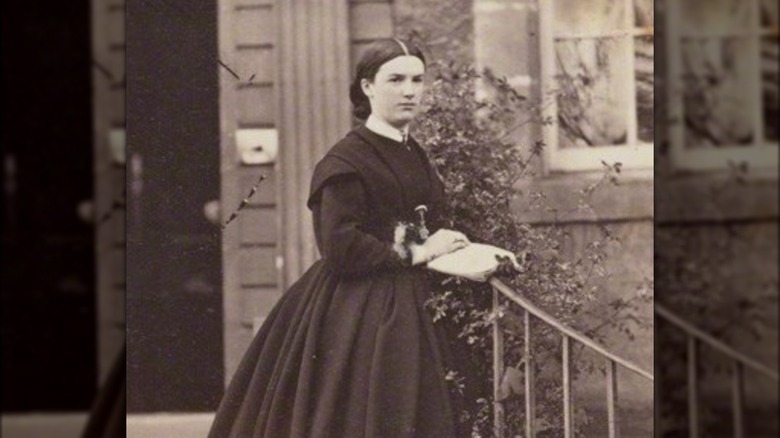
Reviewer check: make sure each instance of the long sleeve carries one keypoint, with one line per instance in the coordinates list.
(339, 219)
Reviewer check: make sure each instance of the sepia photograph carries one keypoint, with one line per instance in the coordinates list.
(375, 218)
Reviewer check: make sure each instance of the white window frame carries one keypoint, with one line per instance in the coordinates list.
(635, 154)
(761, 154)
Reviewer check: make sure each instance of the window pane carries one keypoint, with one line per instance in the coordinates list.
(644, 87)
(716, 98)
(715, 15)
(769, 13)
(769, 80)
(577, 16)
(644, 13)
(592, 98)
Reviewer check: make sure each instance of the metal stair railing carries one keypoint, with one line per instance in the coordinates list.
(568, 334)
(740, 362)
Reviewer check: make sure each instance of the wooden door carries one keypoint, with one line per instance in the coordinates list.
(48, 291)
(174, 302)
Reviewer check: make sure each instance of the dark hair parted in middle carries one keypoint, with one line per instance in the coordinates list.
(373, 58)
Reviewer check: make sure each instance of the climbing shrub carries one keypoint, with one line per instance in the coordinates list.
(470, 141)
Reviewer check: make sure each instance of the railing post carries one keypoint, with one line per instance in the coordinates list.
(740, 362)
(612, 397)
(693, 387)
(738, 395)
(498, 369)
(568, 421)
(569, 335)
(530, 381)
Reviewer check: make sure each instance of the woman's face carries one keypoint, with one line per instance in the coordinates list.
(396, 90)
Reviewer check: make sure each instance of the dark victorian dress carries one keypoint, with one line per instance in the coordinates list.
(349, 350)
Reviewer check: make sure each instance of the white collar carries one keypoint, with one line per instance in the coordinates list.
(385, 129)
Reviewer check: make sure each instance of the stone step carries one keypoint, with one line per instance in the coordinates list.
(169, 425)
(36, 425)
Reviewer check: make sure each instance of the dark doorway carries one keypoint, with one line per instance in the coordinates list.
(48, 270)
(174, 300)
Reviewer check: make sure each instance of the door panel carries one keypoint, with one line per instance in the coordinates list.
(174, 301)
(48, 290)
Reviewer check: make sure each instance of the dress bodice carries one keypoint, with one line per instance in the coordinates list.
(372, 183)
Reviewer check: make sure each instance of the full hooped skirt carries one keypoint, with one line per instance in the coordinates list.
(343, 358)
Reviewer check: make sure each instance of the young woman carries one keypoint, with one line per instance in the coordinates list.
(350, 350)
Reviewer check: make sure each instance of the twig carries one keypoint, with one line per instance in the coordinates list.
(118, 203)
(244, 202)
(235, 75)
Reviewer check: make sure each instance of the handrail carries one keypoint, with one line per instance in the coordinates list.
(549, 319)
(714, 342)
(568, 334)
(739, 362)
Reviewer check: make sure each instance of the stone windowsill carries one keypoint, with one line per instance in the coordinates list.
(716, 197)
(630, 199)
(701, 197)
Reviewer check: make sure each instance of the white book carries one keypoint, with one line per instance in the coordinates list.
(476, 261)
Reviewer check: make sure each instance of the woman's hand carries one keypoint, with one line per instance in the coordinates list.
(441, 242)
